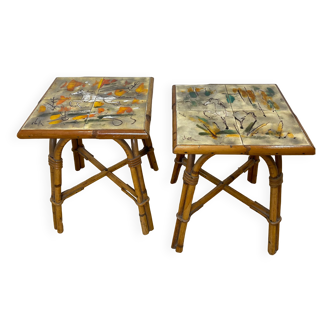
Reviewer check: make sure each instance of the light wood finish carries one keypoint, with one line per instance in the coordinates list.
(58, 138)
(272, 215)
(177, 167)
(252, 172)
(253, 120)
(78, 159)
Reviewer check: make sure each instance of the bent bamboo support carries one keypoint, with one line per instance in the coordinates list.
(133, 160)
(190, 180)
(192, 172)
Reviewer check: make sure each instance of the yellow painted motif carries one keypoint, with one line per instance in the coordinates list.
(55, 122)
(98, 104)
(54, 117)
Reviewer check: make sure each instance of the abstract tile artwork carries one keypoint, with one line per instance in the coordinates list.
(92, 103)
(235, 115)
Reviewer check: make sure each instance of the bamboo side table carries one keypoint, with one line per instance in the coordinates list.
(252, 120)
(101, 108)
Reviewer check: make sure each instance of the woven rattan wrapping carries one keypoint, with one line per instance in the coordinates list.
(189, 179)
(277, 181)
(56, 164)
(135, 161)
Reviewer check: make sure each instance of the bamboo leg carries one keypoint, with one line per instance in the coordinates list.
(55, 162)
(279, 165)
(151, 156)
(142, 186)
(177, 167)
(190, 183)
(252, 172)
(275, 182)
(51, 152)
(78, 159)
(180, 226)
(133, 162)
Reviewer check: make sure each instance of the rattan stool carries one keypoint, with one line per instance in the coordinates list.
(252, 120)
(101, 108)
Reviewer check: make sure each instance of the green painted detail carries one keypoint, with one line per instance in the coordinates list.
(192, 94)
(226, 132)
(255, 106)
(207, 93)
(230, 99)
(270, 103)
(248, 129)
(202, 119)
(193, 102)
(203, 133)
(255, 88)
(200, 127)
(270, 92)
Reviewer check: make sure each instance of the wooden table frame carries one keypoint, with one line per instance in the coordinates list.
(60, 136)
(190, 180)
(255, 152)
(138, 194)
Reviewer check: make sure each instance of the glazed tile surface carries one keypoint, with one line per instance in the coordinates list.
(92, 103)
(235, 115)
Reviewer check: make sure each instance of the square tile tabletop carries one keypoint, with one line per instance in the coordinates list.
(92, 107)
(236, 119)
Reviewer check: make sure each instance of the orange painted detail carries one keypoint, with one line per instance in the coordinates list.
(119, 92)
(101, 110)
(135, 101)
(141, 89)
(105, 82)
(73, 84)
(110, 93)
(62, 100)
(64, 109)
(124, 109)
(42, 108)
(63, 85)
(268, 101)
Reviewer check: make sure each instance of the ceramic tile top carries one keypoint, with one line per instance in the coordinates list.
(92, 103)
(235, 115)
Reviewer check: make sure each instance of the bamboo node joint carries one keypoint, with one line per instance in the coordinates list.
(54, 202)
(143, 202)
(274, 222)
(179, 216)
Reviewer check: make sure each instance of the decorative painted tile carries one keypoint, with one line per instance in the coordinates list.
(235, 115)
(195, 128)
(92, 103)
(124, 115)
